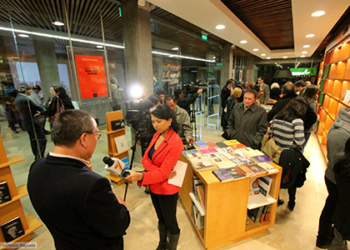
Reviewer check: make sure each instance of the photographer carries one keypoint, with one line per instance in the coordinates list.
(185, 102)
(183, 119)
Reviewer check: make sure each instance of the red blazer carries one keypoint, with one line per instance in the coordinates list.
(162, 163)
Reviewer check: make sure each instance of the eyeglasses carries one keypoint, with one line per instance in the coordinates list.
(98, 135)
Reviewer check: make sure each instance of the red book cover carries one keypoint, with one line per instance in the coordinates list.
(238, 146)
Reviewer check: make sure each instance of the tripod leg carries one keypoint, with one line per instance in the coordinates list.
(133, 148)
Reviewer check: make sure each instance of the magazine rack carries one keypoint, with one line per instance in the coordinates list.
(112, 149)
(13, 208)
(226, 206)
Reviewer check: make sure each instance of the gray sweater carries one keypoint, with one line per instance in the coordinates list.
(336, 139)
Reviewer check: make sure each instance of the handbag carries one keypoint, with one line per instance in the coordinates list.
(271, 149)
(59, 110)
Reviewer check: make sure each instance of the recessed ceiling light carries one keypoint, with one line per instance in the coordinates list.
(302, 56)
(99, 46)
(175, 48)
(23, 35)
(285, 57)
(220, 27)
(268, 57)
(318, 13)
(304, 52)
(58, 23)
(214, 57)
(243, 41)
(255, 49)
(263, 54)
(310, 35)
(306, 46)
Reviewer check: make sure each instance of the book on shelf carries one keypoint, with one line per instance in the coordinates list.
(257, 169)
(196, 182)
(226, 149)
(200, 194)
(253, 152)
(221, 144)
(254, 214)
(265, 183)
(254, 186)
(197, 217)
(223, 162)
(241, 160)
(261, 158)
(238, 146)
(231, 142)
(212, 145)
(346, 97)
(121, 143)
(214, 155)
(203, 165)
(12, 229)
(268, 167)
(208, 151)
(228, 174)
(201, 145)
(197, 204)
(243, 169)
(5, 195)
(192, 154)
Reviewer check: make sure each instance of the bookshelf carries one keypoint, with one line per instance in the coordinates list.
(13, 208)
(112, 149)
(333, 81)
(226, 206)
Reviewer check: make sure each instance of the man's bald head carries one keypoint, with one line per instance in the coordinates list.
(288, 88)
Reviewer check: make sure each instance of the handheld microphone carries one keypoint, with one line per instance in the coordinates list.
(116, 166)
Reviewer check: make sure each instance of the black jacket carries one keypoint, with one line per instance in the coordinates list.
(275, 94)
(231, 102)
(185, 102)
(225, 94)
(309, 118)
(77, 205)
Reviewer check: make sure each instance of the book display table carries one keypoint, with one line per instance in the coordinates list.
(226, 206)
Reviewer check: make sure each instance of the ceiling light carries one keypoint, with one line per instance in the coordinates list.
(304, 52)
(285, 57)
(57, 23)
(23, 35)
(214, 57)
(263, 54)
(220, 27)
(243, 41)
(306, 46)
(268, 57)
(175, 48)
(302, 56)
(310, 35)
(318, 13)
(255, 49)
(99, 46)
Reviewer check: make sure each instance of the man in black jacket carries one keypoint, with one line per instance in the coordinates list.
(185, 102)
(76, 204)
(288, 92)
(225, 94)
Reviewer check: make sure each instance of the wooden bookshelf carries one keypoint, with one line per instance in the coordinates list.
(13, 208)
(226, 207)
(333, 81)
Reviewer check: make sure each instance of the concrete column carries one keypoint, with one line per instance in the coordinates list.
(250, 70)
(138, 45)
(47, 63)
(227, 63)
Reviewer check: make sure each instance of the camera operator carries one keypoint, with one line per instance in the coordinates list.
(185, 102)
(161, 94)
(183, 119)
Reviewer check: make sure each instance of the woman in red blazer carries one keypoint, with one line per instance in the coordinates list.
(159, 160)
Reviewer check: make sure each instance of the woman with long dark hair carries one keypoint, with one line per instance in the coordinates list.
(159, 160)
(62, 94)
(287, 128)
(310, 95)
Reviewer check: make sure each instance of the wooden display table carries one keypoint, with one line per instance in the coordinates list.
(226, 207)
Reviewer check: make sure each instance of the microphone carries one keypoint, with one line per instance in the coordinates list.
(116, 166)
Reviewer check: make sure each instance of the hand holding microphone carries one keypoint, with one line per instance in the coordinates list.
(133, 176)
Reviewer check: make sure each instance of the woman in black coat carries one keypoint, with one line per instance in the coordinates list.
(62, 100)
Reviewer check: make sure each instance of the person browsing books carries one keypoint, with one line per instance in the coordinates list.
(76, 204)
(159, 160)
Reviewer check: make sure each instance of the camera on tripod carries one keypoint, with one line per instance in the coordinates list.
(191, 89)
(137, 114)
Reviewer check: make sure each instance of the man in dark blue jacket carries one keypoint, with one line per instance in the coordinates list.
(76, 204)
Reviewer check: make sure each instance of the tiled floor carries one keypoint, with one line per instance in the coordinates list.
(292, 230)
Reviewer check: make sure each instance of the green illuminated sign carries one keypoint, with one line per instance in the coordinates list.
(303, 71)
(219, 64)
(205, 37)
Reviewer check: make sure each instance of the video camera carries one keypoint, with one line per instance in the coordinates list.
(192, 89)
(137, 114)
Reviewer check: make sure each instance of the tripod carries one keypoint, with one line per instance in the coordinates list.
(193, 119)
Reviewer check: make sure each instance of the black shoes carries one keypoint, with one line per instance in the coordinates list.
(291, 205)
(47, 132)
(148, 190)
(323, 244)
(280, 202)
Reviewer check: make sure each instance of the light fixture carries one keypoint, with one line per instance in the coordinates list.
(220, 27)
(268, 57)
(306, 46)
(304, 52)
(214, 57)
(99, 46)
(255, 49)
(263, 54)
(310, 35)
(302, 56)
(318, 13)
(243, 41)
(23, 35)
(285, 57)
(57, 23)
(175, 48)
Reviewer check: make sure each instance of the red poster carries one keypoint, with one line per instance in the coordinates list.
(91, 75)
